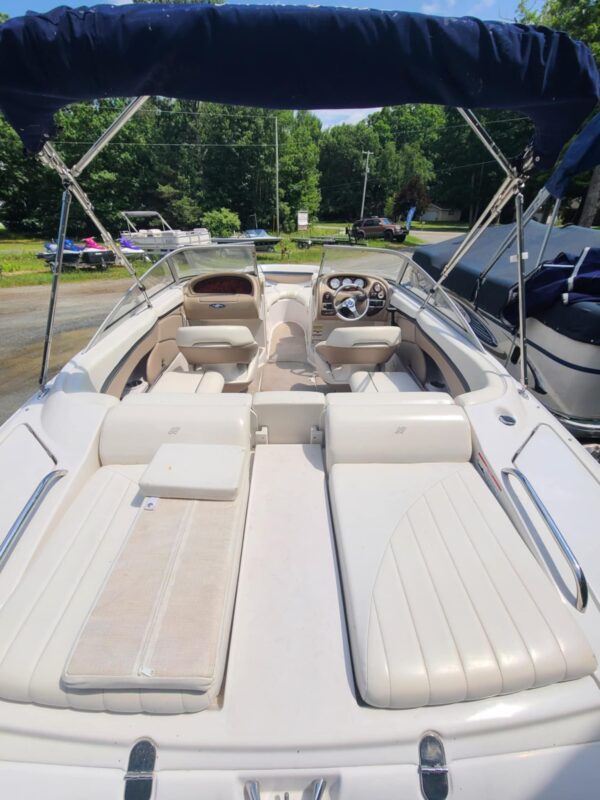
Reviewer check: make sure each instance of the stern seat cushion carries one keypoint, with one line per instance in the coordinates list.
(444, 600)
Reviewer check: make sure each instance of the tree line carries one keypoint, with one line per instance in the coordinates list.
(188, 159)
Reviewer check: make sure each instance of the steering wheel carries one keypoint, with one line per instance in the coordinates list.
(354, 306)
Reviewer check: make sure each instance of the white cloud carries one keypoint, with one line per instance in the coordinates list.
(337, 116)
(431, 8)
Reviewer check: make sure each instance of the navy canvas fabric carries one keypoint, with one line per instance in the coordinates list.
(582, 154)
(580, 321)
(292, 57)
(554, 282)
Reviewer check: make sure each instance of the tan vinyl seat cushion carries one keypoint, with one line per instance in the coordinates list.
(177, 381)
(444, 601)
(367, 344)
(363, 381)
(195, 472)
(216, 344)
(162, 620)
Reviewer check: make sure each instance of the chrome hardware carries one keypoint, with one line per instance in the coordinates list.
(16, 530)
(252, 790)
(139, 777)
(506, 419)
(433, 771)
(319, 787)
(575, 567)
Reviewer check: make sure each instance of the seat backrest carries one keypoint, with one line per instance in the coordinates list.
(216, 344)
(133, 431)
(394, 432)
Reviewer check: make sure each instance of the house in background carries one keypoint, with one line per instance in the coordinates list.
(434, 213)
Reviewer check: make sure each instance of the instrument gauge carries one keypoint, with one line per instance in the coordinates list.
(377, 287)
(347, 282)
(360, 283)
(335, 283)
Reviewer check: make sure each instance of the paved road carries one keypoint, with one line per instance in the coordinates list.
(81, 308)
(23, 311)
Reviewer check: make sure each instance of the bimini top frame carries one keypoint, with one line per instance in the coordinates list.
(226, 53)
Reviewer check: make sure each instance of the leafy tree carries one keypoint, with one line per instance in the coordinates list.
(221, 222)
(3, 17)
(414, 193)
(581, 20)
(299, 174)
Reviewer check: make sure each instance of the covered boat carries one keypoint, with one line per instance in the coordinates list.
(293, 533)
(563, 326)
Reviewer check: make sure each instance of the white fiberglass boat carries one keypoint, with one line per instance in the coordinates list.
(293, 533)
(161, 240)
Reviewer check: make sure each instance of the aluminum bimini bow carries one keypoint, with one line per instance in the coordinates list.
(225, 54)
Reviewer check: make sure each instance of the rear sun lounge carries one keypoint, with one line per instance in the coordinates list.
(129, 606)
(444, 601)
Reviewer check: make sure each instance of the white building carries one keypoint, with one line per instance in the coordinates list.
(435, 213)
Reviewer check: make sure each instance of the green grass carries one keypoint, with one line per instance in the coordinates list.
(440, 226)
(20, 267)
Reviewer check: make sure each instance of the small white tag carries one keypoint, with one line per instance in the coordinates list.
(524, 256)
(150, 503)
(147, 672)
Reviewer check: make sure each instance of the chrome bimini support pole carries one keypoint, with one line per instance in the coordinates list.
(50, 157)
(511, 188)
(56, 272)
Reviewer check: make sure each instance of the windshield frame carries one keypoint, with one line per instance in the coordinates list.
(423, 300)
(114, 317)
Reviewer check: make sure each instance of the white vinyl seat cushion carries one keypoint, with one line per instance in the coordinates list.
(195, 472)
(177, 381)
(363, 381)
(444, 601)
(133, 431)
(392, 432)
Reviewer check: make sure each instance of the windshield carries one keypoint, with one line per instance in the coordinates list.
(190, 261)
(387, 264)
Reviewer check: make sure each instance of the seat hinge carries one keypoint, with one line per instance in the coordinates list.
(139, 778)
(433, 771)
(316, 790)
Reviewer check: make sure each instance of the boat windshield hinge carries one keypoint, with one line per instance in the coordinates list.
(433, 771)
(139, 778)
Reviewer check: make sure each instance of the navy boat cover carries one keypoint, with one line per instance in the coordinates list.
(578, 318)
(292, 57)
(582, 154)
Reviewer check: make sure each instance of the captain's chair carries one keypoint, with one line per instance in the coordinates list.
(230, 350)
(347, 349)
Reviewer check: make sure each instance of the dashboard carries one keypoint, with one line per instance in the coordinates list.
(376, 289)
(222, 297)
(222, 284)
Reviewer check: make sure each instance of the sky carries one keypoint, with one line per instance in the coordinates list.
(503, 10)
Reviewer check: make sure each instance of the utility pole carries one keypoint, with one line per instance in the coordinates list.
(366, 153)
(276, 174)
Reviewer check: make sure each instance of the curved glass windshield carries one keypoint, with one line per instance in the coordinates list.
(190, 261)
(387, 264)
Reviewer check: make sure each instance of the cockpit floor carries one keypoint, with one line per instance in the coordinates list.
(287, 368)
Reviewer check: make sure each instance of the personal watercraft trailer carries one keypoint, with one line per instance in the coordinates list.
(295, 533)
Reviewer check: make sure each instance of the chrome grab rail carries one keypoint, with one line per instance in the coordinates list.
(580, 581)
(16, 530)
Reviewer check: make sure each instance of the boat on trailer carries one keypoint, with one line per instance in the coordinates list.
(291, 531)
(561, 289)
